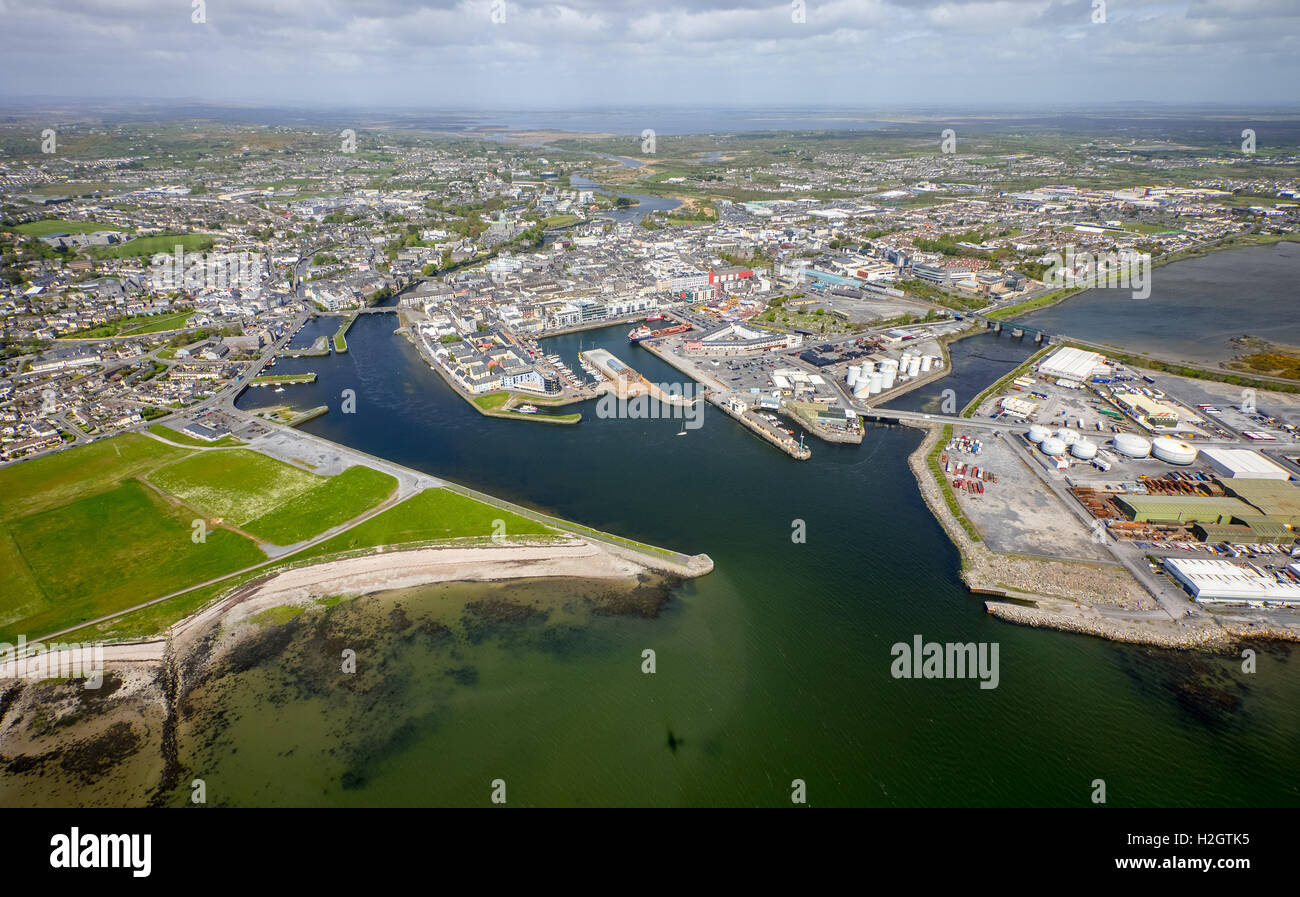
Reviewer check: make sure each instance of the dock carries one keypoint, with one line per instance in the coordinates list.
(627, 382)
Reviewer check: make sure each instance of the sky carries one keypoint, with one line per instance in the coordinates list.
(505, 54)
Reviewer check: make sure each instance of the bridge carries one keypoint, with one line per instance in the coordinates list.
(1015, 327)
(889, 415)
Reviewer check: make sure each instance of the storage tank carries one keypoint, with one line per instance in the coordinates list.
(875, 382)
(1085, 449)
(889, 364)
(1037, 433)
(1132, 445)
(1053, 446)
(887, 379)
(904, 360)
(866, 368)
(863, 388)
(914, 366)
(1173, 451)
(852, 377)
(926, 361)
(1069, 437)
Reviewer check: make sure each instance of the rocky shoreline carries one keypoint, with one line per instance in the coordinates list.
(1090, 599)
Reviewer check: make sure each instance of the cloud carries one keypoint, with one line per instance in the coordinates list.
(456, 53)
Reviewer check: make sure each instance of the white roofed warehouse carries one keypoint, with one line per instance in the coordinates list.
(1222, 581)
(1072, 364)
(1243, 464)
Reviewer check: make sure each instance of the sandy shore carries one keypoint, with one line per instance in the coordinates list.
(389, 570)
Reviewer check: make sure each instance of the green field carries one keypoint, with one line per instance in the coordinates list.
(148, 246)
(432, 514)
(135, 324)
(329, 504)
(282, 378)
(237, 485)
(63, 477)
(491, 401)
(168, 433)
(59, 226)
(111, 551)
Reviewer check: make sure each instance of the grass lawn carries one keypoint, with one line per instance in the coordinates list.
(143, 246)
(237, 486)
(492, 401)
(59, 226)
(66, 476)
(167, 432)
(432, 514)
(113, 550)
(335, 501)
(135, 324)
(283, 378)
(22, 594)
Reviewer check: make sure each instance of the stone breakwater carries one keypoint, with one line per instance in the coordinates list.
(1077, 597)
(1088, 621)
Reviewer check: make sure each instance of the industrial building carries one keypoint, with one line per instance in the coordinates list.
(1243, 464)
(1183, 508)
(1071, 364)
(1153, 411)
(1272, 499)
(1222, 581)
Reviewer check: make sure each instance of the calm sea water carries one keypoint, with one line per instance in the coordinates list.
(774, 667)
(1195, 308)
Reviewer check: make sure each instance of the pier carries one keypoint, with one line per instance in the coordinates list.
(626, 382)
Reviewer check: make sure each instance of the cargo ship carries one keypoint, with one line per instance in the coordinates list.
(640, 333)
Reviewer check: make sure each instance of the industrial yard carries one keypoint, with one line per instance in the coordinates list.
(1100, 462)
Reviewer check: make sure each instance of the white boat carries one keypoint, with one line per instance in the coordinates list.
(527, 409)
(279, 389)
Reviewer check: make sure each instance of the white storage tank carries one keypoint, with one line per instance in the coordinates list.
(1053, 446)
(863, 388)
(914, 366)
(875, 382)
(1132, 445)
(1173, 451)
(926, 360)
(852, 377)
(1069, 437)
(1037, 433)
(1085, 449)
(889, 364)
(866, 368)
(887, 379)
(904, 360)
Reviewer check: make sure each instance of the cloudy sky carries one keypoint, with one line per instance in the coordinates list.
(515, 54)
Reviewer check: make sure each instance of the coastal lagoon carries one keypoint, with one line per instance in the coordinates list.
(1195, 309)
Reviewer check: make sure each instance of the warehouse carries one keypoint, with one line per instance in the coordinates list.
(1273, 499)
(1215, 580)
(1243, 464)
(1183, 509)
(1072, 364)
